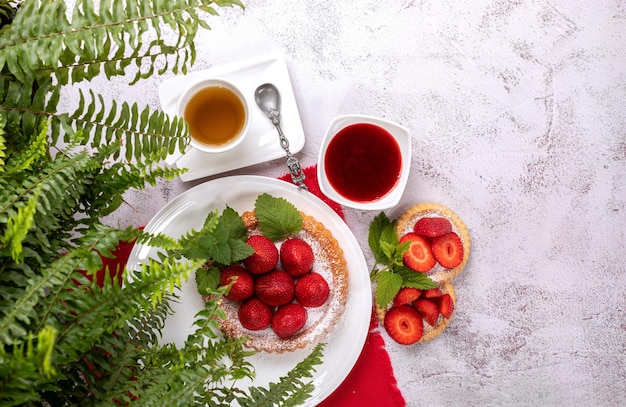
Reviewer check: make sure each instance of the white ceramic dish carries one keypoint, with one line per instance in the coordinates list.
(343, 344)
(262, 142)
(400, 133)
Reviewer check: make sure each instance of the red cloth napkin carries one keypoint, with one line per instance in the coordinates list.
(371, 381)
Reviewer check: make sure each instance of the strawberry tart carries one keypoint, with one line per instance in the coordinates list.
(290, 292)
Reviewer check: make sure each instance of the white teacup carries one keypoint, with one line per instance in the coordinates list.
(217, 114)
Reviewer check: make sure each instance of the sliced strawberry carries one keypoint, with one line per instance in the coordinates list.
(445, 305)
(448, 250)
(427, 309)
(312, 290)
(296, 257)
(275, 288)
(288, 320)
(265, 255)
(419, 257)
(406, 295)
(254, 314)
(404, 324)
(432, 227)
(242, 288)
(432, 293)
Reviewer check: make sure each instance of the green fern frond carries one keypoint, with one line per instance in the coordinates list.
(161, 241)
(3, 145)
(24, 160)
(118, 364)
(141, 132)
(291, 389)
(31, 362)
(18, 226)
(21, 307)
(107, 37)
(110, 183)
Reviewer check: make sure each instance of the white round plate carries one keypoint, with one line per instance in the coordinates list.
(343, 344)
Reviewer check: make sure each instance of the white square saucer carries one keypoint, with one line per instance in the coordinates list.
(262, 143)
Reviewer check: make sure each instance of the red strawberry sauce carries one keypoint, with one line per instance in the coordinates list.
(363, 162)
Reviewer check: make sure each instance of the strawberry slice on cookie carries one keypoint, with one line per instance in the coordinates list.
(419, 257)
(404, 324)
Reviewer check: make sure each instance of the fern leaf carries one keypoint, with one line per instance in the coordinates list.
(18, 227)
(291, 389)
(143, 134)
(111, 36)
(2, 144)
(26, 368)
(37, 149)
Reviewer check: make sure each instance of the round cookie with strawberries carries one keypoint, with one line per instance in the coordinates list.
(439, 241)
(290, 292)
(420, 254)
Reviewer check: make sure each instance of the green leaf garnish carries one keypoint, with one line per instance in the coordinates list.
(207, 280)
(410, 278)
(387, 286)
(277, 217)
(232, 223)
(239, 250)
(388, 251)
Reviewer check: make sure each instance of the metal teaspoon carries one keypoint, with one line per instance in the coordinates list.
(267, 98)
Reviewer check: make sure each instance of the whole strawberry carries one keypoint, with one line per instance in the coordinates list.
(296, 257)
(254, 315)
(288, 320)
(265, 255)
(432, 227)
(312, 290)
(242, 288)
(275, 288)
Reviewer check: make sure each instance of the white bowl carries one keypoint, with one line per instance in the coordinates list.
(196, 87)
(399, 133)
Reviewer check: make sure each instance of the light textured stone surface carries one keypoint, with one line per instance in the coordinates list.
(517, 111)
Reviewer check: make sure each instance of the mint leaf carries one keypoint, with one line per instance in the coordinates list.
(388, 234)
(239, 250)
(277, 217)
(233, 224)
(410, 278)
(387, 286)
(400, 249)
(388, 252)
(382, 239)
(207, 280)
(373, 238)
(216, 246)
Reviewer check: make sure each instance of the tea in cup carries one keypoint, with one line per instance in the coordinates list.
(217, 115)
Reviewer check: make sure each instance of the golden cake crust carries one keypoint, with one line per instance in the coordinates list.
(408, 219)
(329, 262)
